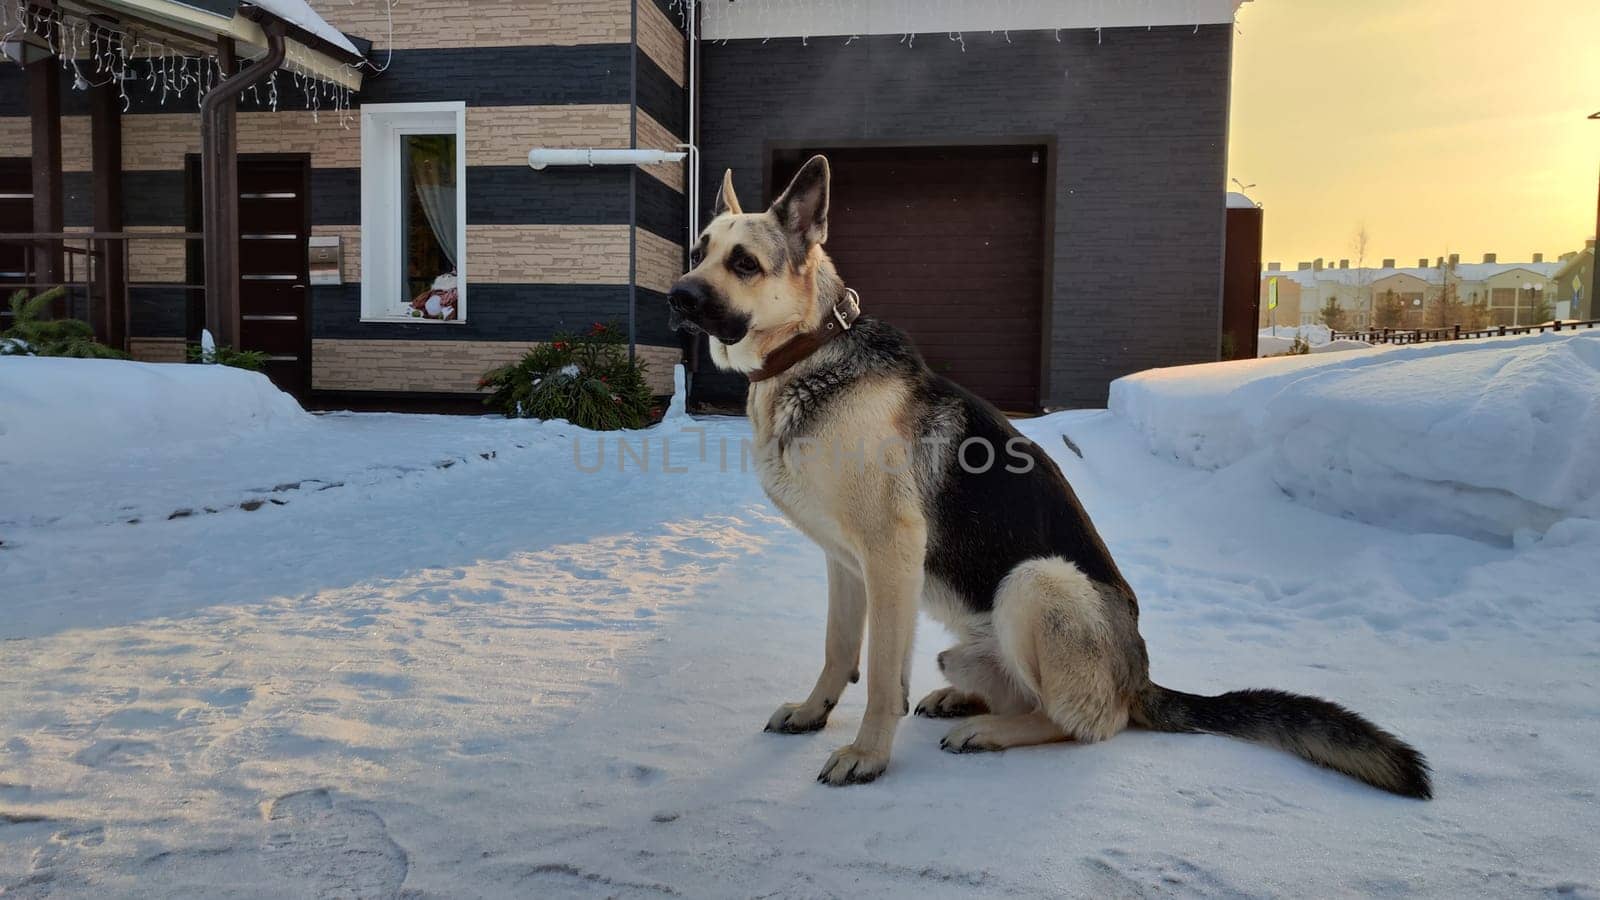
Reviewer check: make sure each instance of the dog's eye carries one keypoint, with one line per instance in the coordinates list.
(746, 265)
(696, 256)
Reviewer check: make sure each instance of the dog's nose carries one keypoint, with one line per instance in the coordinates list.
(685, 297)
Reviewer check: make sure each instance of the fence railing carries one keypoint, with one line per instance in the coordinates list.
(85, 263)
(1455, 332)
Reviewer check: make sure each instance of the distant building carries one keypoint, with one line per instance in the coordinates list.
(1573, 281)
(1514, 291)
(1289, 291)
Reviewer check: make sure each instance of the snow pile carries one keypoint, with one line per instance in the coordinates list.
(1480, 438)
(65, 410)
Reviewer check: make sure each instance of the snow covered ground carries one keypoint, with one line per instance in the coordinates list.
(1279, 340)
(448, 662)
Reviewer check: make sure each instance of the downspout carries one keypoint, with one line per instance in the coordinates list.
(633, 187)
(692, 14)
(693, 145)
(219, 192)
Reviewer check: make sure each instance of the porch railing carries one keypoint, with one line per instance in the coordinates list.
(96, 269)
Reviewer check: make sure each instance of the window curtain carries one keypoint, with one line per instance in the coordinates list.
(433, 173)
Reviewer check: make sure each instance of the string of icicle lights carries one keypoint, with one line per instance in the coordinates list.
(98, 54)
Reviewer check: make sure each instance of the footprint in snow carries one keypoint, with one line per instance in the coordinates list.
(341, 849)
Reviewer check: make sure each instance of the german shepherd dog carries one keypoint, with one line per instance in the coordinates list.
(918, 491)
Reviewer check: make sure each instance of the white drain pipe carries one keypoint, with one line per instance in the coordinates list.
(693, 137)
(539, 157)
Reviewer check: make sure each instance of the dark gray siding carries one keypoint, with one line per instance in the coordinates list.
(1140, 124)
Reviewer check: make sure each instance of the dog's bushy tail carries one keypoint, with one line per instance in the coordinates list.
(1324, 733)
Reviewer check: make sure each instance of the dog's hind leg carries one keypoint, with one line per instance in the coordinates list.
(847, 618)
(981, 733)
(1062, 638)
(978, 683)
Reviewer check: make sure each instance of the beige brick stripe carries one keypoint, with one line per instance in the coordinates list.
(483, 23)
(660, 261)
(157, 142)
(496, 136)
(159, 350)
(161, 261)
(661, 40)
(655, 136)
(659, 362)
(547, 254)
(503, 135)
(437, 366)
(496, 254)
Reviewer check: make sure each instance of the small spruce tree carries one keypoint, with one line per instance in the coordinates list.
(1390, 311)
(1333, 315)
(31, 334)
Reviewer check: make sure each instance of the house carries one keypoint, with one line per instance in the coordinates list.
(1006, 174)
(1514, 292)
(1288, 311)
(1574, 283)
(1409, 289)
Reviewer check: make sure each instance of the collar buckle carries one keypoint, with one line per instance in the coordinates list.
(852, 301)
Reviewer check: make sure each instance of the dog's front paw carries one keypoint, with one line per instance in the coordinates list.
(950, 703)
(798, 718)
(852, 765)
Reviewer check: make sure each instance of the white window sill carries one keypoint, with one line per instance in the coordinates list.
(409, 320)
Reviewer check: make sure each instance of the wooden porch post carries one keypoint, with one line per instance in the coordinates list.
(44, 112)
(110, 319)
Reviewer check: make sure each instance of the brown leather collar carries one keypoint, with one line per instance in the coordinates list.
(802, 345)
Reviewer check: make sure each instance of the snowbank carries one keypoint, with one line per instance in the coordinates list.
(1482, 438)
(61, 410)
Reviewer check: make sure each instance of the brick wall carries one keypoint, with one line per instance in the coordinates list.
(547, 251)
(161, 350)
(1140, 123)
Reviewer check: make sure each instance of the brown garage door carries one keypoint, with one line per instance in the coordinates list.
(948, 244)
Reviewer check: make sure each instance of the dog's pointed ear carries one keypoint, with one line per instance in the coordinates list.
(803, 208)
(727, 200)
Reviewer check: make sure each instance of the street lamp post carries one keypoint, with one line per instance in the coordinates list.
(1533, 290)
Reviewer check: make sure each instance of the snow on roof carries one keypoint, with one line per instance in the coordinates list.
(1432, 275)
(816, 18)
(300, 14)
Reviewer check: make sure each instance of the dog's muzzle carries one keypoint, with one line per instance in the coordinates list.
(685, 301)
(695, 308)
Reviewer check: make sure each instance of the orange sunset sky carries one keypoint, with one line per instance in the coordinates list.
(1442, 125)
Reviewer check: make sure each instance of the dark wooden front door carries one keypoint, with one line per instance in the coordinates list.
(274, 228)
(16, 217)
(946, 243)
(274, 267)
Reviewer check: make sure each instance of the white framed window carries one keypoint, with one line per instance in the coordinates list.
(414, 212)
